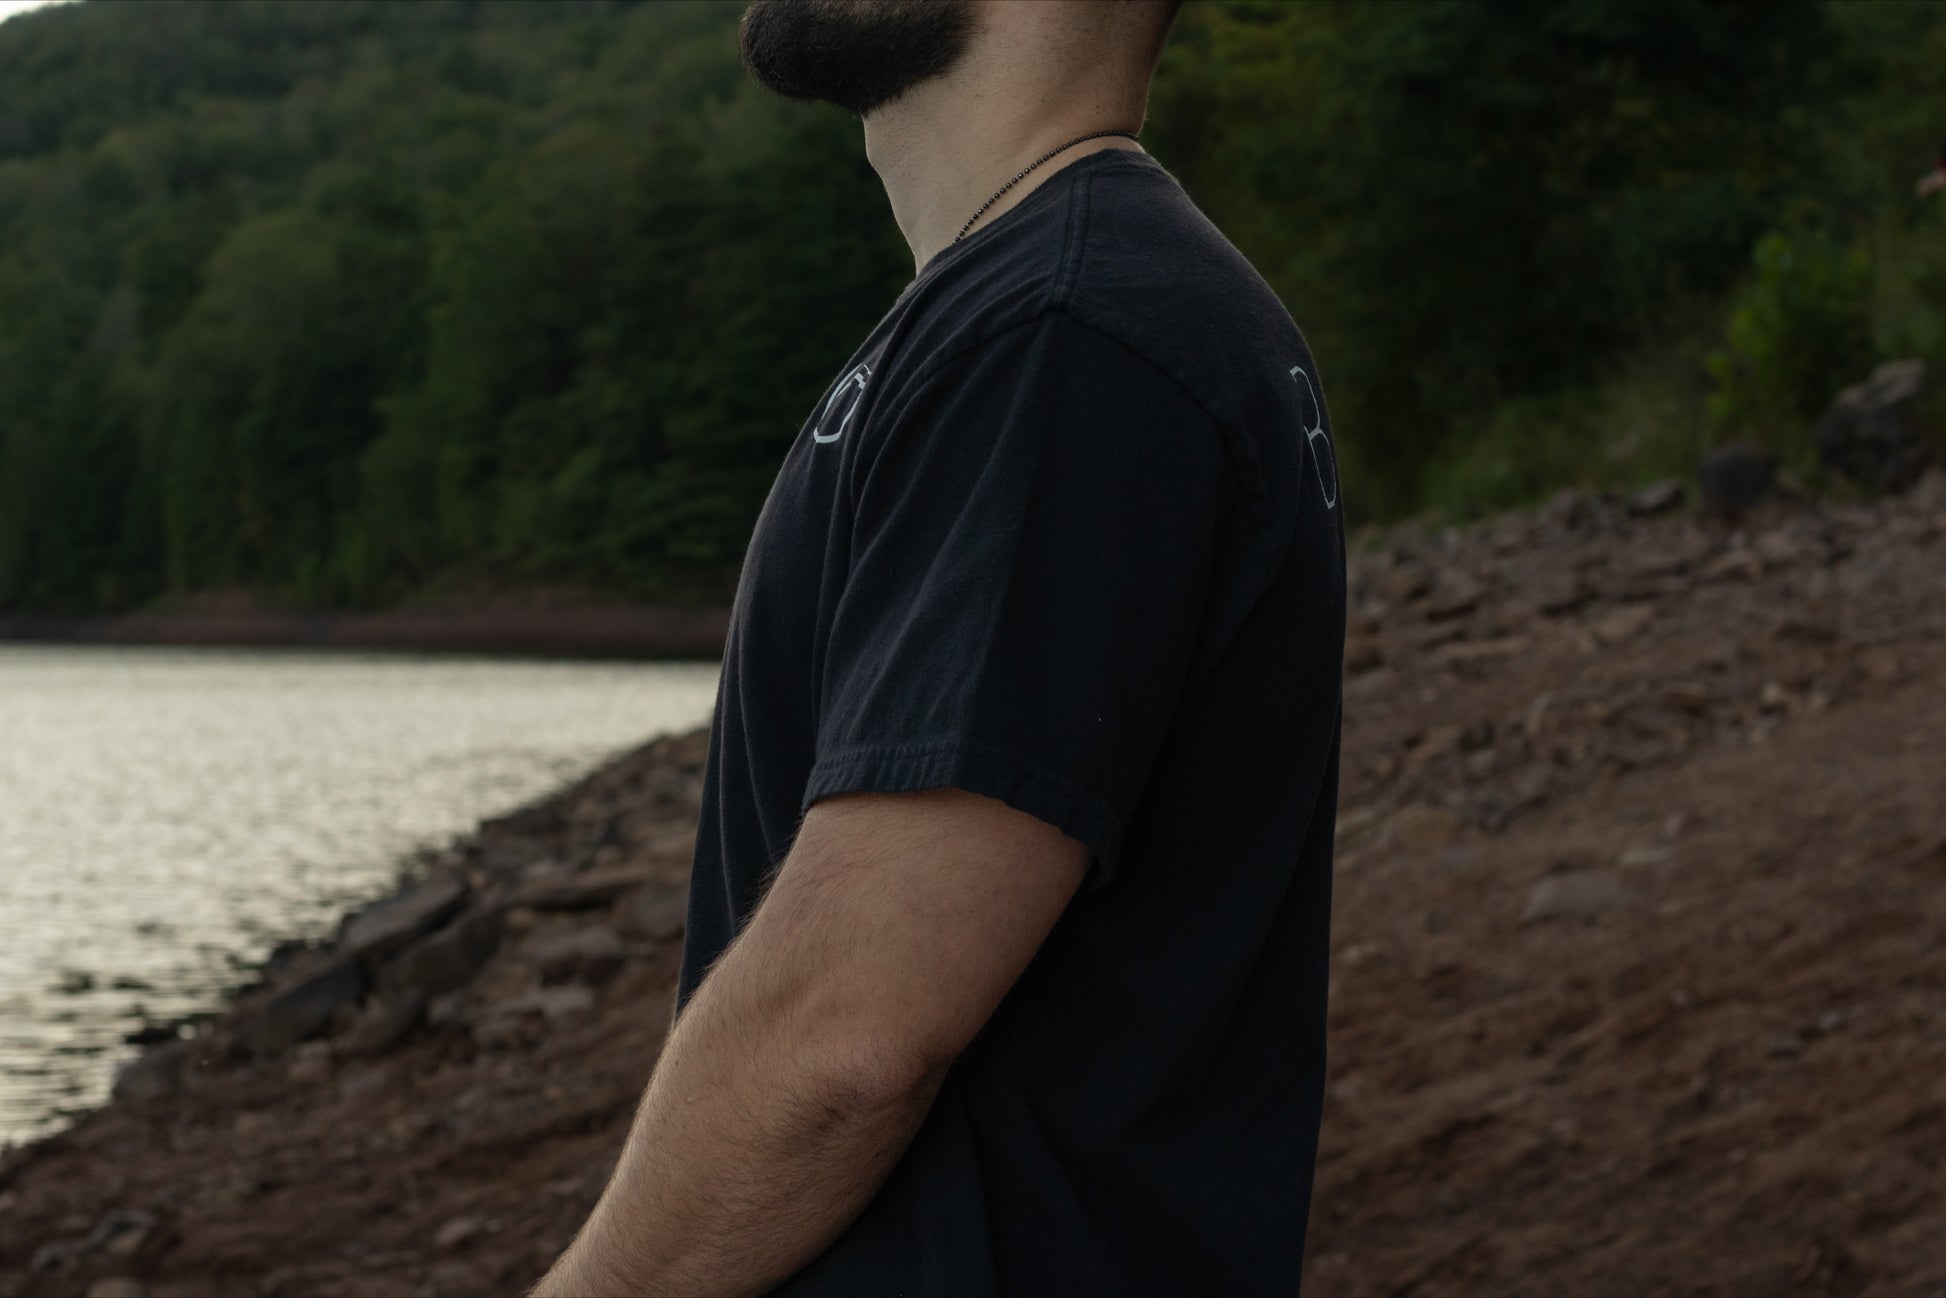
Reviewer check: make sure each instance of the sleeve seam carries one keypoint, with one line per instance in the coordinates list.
(956, 743)
(992, 770)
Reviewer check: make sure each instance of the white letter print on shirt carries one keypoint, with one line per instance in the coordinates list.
(842, 404)
(1319, 440)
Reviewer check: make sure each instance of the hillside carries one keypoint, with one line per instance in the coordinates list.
(348, 304)
(1637, 974)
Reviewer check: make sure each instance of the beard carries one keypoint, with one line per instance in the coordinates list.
(857, 54)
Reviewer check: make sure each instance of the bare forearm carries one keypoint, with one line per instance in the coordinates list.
(747, 1157)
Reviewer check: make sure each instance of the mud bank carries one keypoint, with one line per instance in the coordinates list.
(590, 631)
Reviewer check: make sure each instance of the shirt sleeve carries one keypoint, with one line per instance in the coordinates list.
(1033, 533)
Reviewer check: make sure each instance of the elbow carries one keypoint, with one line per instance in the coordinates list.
(873, 1077)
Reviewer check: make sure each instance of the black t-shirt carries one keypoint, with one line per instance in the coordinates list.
(1065, 531)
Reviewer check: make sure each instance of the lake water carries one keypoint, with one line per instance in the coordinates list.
(169, 815)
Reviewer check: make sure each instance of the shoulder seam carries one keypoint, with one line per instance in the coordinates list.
(1073, 243)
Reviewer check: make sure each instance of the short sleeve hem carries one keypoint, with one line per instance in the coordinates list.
(975, 766)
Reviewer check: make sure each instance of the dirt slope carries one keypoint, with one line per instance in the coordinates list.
(1639, 983)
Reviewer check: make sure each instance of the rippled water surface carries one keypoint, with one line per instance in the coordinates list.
(168, 815)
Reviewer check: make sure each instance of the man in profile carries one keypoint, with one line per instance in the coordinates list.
(1005, 966)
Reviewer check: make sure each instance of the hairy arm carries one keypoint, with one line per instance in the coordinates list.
(807, 1059)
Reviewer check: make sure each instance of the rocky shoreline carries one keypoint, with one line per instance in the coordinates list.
(496, 949)
(1637, 972)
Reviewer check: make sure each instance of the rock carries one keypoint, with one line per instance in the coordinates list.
(385, 1022)
(155, 1072)
(656, 913)
(384, 927)
(546, 867)
(1621, 624)
(285, 955)
(121, 1233)
(1456, 596)
(310, 1062)
(588, 890)
(1570, 510)
(445, 1010)
(585, 955)
(150, 1034)
(505, 858)
(1676, 555)
(449, 958)
(360, 1082)
(1641, 856)
(1420, 828)
(1734, 479)
(1657, 498)
(1558, 591)
(1871, 434)
(1734, 565)
(1575, 894)
(507, 1022)
(302, 1010)
(57, 1256)
(537, 820)
(1401, 584)
(456, 1232)
(118, 1286)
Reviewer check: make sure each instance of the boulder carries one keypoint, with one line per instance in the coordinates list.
(386, 1021)
(589, 890)
(380, 929)
(302, 1009)
(285, 956)
(1871, 433)
(1735, 479)
(154, 1072)
(449, 958)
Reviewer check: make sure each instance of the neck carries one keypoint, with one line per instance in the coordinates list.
(947, 144)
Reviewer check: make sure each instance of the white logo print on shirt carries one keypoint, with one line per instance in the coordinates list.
(842, 404)
(1312, 421)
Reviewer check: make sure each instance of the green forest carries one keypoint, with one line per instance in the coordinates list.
(354, 302)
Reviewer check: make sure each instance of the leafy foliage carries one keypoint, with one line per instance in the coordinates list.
(1804, 317)
(346, 300)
